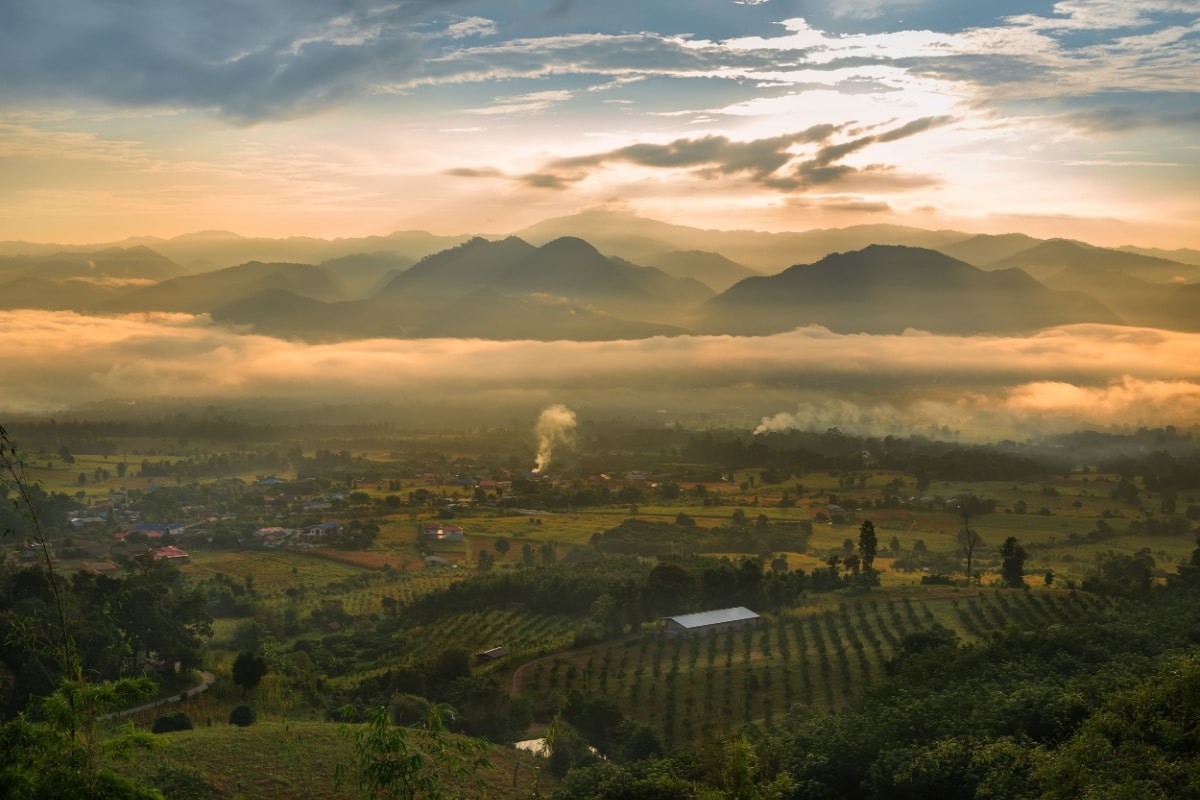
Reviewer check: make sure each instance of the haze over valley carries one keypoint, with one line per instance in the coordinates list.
(894, 332)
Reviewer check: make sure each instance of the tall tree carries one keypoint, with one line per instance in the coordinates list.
(868, 546)
(248, 670)
(969, 540)
(1012, 568)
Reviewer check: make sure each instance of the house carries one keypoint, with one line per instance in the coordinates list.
(448, 533)
(172, 554)
(323, 529)
(491, 655)
(438, 561)
(723, 619)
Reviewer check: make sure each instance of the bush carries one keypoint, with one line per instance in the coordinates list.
(169, 723)
(242, 716)
(181, 782)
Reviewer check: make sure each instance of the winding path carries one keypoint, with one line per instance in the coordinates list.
(206, 680)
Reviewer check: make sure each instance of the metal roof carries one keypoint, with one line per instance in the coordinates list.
(716, 617)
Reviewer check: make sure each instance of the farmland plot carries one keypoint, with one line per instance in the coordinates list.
(816, 658)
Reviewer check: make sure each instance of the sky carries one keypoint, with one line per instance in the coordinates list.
(328, 118)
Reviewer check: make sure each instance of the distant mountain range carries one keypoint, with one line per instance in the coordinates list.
(607, 276)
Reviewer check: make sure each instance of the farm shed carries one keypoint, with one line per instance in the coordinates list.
(491, 655)
(722, 619)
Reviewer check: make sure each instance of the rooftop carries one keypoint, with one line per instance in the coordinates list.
(720, 615)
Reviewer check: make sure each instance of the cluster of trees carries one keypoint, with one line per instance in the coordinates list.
(121, 626)
(664, 539)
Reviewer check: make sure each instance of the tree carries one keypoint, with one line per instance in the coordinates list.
(404, 763)
(868, 545)
(484, 561)
(1012, 568)
(248, 670)
(242, 716)
(502, 546)
(670, 589)
(969, 540)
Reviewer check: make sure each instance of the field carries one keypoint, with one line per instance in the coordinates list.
(297, 759)
(818, 658)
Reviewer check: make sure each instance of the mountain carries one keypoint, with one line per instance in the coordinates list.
(712, 269)
(482, 313)
(364, 274)
(1096, 263)
(567, 267)
(1136, 301)
(1184, 256)
(115, 263)
(196, 294)
(76, 294)
(570, 267)
(985, 248)
(284, 314)
(1179, 308)
(641, 240)
(489, 314)
(450, 273)
(887, 289)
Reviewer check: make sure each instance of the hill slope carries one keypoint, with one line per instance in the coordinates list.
(886, 289)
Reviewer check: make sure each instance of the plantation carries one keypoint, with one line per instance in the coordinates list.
(821, 659)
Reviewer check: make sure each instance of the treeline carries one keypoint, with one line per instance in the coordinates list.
(665, 539)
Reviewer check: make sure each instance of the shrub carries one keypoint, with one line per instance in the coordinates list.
(242, 716)
(181, 782)
(175, 721)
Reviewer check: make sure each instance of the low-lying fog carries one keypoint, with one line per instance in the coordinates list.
(986, 386)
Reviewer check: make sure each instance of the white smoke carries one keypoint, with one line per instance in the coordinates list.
(555, 426)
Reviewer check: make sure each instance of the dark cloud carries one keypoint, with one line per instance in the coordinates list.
(712, 155)
(545, 180)
(246, 61)
(765, 161)
(863, 206)
(472, 172)
(1135, 112)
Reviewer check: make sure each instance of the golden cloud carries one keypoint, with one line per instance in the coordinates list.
(1077, 375)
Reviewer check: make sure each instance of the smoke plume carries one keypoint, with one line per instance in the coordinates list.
(555, 426)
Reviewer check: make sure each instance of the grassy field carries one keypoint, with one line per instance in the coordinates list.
(297, 760)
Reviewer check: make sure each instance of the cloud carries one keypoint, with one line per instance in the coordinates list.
(471, 26)
(1076, 375)
(1019, 411)
(248, 62)
(1106, 115)
(525, 103)
(471, 172)
(769, 161)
